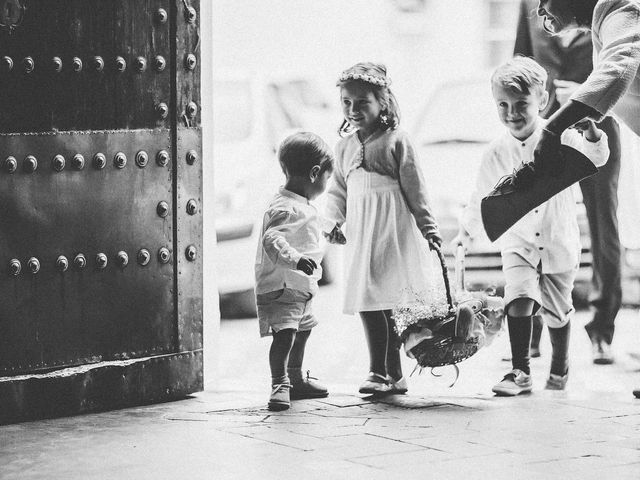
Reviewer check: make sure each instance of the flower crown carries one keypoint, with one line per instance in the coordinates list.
(365, 77)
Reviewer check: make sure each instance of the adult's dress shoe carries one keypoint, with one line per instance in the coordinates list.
(531, 185)
(601, 352)
(636, 392)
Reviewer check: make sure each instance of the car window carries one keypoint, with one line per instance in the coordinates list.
(232, 110)
(458, 113)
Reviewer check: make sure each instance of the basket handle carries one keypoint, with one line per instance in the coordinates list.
(445, 272)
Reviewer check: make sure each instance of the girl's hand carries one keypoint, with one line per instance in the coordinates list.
(433, 239)
(335, 236)
(306, 265)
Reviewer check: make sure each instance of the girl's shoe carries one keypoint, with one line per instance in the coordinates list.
(375, 384)
(307, 387)
(398, 386)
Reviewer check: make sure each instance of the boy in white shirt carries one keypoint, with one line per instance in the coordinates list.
(288, 268)
(541, 252)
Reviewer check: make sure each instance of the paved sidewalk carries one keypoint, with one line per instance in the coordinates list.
(591, 431)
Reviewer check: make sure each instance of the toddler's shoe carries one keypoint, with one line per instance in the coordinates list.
(398, 386)
(557, 382)
(375, 384)
(307, 387)
(514, 383)
(279, 399)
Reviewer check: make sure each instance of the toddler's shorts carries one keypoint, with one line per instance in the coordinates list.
(285, 308)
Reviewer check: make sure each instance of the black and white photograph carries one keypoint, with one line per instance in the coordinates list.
(319, 239)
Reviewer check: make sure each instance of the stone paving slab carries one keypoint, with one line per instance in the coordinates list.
(590, 431)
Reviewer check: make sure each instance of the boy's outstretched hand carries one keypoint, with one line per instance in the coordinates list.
(336, 236)
(306, 265)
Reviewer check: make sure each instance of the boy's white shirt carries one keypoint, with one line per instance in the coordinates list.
(549, 233)
(291, 228)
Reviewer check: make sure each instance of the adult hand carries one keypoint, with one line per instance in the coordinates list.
(306, 265)
(564, 90)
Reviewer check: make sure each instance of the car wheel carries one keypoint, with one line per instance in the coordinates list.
(238, 305)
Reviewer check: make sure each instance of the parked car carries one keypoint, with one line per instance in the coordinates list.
(251, 116)
(451, 133)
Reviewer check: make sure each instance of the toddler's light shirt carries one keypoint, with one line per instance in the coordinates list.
(291, 228)
(549, 233)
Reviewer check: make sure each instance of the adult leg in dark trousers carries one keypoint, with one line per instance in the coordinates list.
(600, 196)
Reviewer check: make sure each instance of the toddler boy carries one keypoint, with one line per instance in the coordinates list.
(288, 268)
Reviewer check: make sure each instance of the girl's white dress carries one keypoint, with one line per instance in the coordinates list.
(379, 193)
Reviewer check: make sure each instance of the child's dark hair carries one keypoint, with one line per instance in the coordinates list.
(521, 75)
(372, 76)
(301, 151)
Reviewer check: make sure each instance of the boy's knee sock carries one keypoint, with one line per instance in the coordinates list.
(560, 349)
(296, 356)
(520, 339)
(536, 332)
(279, 355)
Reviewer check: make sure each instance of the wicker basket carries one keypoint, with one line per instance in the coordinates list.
(443, 347)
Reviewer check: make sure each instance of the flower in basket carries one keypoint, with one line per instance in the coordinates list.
(420, 310)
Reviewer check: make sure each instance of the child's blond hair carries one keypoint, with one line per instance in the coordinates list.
(521, 75)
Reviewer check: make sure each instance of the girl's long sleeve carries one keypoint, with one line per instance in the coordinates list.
(414, 186)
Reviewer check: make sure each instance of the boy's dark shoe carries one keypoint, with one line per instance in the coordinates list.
(279, 399)
(636, 393)
(307, 387)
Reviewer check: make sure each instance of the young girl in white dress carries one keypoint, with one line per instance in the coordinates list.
(379, 193)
